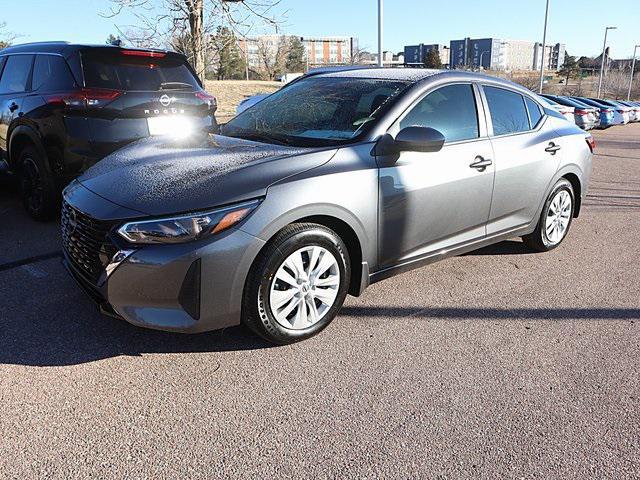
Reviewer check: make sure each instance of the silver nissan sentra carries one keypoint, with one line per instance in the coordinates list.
(336, 181)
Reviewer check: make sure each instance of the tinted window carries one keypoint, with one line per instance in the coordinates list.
(16, 74)
(130, 72)
(534, 111)
(51, 73)
(316, 111)
(508, 113)
(450, 109)
(2, 60)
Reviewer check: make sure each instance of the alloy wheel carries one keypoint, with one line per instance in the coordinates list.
(558, 217)
(32, 187)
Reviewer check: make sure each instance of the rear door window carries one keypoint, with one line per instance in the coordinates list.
(120, 71)
(15, 75)
(450, 110)
(508, 111)
(51, 74)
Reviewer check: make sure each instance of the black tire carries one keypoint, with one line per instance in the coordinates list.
(538, 240)
(40, 195)
(256, 311)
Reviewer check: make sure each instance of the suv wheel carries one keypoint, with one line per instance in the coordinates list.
(555, 218)
(297, 285)
(39, 193)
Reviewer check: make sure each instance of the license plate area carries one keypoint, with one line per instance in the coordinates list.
(175, 125)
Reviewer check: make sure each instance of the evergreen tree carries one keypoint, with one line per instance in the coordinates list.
(570, 68)
(432, 60)
(295, 61)
(230, 63)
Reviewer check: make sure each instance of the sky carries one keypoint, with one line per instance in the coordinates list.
(577, 23)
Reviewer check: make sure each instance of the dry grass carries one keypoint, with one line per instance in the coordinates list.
(230, 93)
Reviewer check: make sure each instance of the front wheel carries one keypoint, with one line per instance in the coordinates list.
(555, 218)
(297, 285)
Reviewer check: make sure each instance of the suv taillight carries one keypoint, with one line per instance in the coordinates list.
(85, 97)
(581, 112)
(591, 142)
(208, 98)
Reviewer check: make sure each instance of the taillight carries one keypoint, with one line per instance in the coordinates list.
(591, 142)
(620, 111)
(85, 97)
(207, 97)
(143, 53)
(581, 112)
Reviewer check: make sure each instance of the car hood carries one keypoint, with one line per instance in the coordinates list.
(158, 176)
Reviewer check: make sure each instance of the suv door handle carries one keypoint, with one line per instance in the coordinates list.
(13, 107)
(481, 163)
(552, 148)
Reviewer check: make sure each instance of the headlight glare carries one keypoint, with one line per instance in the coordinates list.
(186, 228)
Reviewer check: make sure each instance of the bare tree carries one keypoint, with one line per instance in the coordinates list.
(6, 37)
(616, 83)
(272, 56)
(162, 23)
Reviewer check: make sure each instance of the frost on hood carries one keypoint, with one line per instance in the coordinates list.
(161, 166)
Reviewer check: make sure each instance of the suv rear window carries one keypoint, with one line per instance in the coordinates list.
(118, 71)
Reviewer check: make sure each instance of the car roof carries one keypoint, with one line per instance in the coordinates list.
(64, 48)
(412, 75)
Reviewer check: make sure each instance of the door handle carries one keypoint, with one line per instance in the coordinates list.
(552, 148)
(13, 107)
(481, 163)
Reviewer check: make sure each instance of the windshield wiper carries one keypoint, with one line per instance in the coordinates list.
(260, 137)
(174, 85)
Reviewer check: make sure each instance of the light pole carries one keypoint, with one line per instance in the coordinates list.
(380, 19)
(633, 65)
(481, 66)
(544, 46)
(604, 48)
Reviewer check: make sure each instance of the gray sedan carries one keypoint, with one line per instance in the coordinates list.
(338, 180)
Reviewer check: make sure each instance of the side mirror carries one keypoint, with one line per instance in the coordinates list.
(419, 139)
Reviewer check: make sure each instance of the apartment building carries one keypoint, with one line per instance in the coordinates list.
(415, 55)
(500, 54)
(319, 51)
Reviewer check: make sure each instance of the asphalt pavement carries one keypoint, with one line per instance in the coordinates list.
(498, 364)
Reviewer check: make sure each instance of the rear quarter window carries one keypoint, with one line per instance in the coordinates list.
(51, 73)
(535, 114)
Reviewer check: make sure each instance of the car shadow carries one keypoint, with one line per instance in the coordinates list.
(508, 247)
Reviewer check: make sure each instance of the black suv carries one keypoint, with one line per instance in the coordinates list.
(63, 107)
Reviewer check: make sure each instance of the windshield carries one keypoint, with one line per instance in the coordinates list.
(316, 111)
(126, 72)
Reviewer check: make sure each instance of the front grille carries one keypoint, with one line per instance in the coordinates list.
(86, 242)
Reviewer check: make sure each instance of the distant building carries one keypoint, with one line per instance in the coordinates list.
(319, 51)
(330, 50)
(415, 55)
(499, 54)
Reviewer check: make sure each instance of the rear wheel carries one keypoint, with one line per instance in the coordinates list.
(40, 195)
(297, 285)
(555, 218)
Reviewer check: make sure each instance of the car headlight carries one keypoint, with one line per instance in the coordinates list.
(186, 228)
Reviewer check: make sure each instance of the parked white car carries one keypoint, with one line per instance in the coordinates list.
(566, 111)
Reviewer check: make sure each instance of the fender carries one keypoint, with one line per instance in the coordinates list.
(562, 171)
(19, 133)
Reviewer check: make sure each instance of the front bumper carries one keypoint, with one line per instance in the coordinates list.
(190, 287)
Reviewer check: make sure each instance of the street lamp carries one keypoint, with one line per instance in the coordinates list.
(633, 65)
(380, 62)
(604, 48)
(481, 66)
(544, 46)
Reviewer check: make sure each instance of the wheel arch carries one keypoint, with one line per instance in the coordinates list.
(21, 137)
(577, 191)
